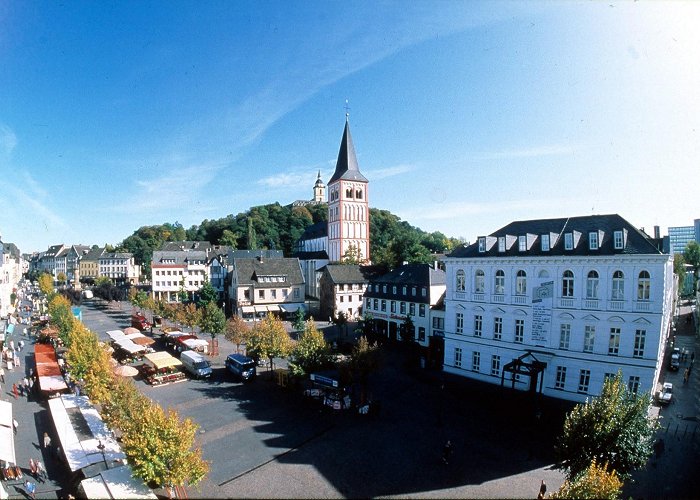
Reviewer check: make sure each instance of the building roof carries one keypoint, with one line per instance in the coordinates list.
(315, 231)
(251, 272)
(413, 274)
(93, 254)
(634, 240)
(116, 255)
(315, 255)
(180, 258)
(53, 250)
(349, 273)
(346, 168)
(172, 246)
(252, 254)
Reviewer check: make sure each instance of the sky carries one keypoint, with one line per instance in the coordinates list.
(465, 116)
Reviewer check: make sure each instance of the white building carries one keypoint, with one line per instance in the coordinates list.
(557, 305)
(10, 275)
(119, 267)
(178, 271)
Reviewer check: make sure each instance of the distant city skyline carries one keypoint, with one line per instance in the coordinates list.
(465, 115)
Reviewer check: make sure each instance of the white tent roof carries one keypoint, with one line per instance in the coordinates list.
(115, 334)
(116, 483)
(7, 437)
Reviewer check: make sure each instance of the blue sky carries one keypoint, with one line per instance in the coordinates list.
(465, 115)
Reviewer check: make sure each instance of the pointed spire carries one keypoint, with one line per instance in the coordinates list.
(346, 167)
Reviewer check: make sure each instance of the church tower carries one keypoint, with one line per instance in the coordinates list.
(319, 190)
(348, 205)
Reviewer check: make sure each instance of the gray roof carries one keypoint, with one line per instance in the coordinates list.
(94, 254)
(249, 271)
(116, 255)
(348, 273)
(418, 275)
(171, 246)
(180, 257)
(346, 167)
(315, 255)
(636, 242)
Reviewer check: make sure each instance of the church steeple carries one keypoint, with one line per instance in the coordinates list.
(346, 167)
(319, 189)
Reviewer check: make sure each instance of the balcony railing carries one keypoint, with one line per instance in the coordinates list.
(642, 306)
(591, 304)
(478, 297)
(498, 298)
(616, 305)
(566, 303)
(519, 299)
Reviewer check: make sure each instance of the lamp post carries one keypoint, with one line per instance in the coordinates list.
(101, 447)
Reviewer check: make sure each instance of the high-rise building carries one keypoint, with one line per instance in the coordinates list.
(680, 236)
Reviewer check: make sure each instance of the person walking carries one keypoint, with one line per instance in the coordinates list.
(685, 375)
(543, 490)
(47, 440)
(447, 452)
(32, 468)
(40, 470)
(14, 390)
(17, 361)
(15, 425)
(2, 374)
(30, 488)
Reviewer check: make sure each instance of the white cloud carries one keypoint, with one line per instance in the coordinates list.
(8, 141)
(383, 173)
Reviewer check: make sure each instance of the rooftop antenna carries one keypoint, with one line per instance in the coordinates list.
(347, 110)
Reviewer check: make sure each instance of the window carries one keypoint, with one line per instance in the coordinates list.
(614, 344)
(583, 381)
(593, 241)
(561, 378)
(618, 240)
(402, 308)
(383, 288)
(497, 328)
(460, 281)
(421, 310)
(421, 333)
(633, 385)
(413, 291)
(618, 286)
(479, 281)
(501, 244)
(296, 293)
(567, 284)
(412, 309)
(383, 305)
(568, 241)
(639, 341)
(393, 290)
(519, 330)
(643, 286)
(459, 328)
(495, 365)
(476, 361)
(342, 298)
(403, 290)
(261, 294)
(458, 357)
(424, 292)
(376, 304)
(521, 283)
(592, 285)
(544, 243)
(393, 306)
(588, 338)
(500, 282)
(482, 244)
(564, 336)
(522, 243)
(478, 321)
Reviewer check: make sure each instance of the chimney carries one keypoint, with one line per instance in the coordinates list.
(260, 258)
(657, 232)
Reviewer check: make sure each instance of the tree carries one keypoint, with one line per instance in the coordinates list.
(691, 255)
(189, 315)
(207, 294)
(299, 323)
(365, 360)
(229, 238)
(213, 320)
(138, 298)
(62, 316)
(182, 294)
(408, 329)
(46, 284)
(269, 339)
(341, 321)
(351, 256)
(594, 482)
(613, 429)
(102, 281)
(311, 351)
(237, 331)
(679, 269)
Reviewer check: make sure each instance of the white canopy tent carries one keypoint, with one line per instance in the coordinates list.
(115, 483)
(7, 437)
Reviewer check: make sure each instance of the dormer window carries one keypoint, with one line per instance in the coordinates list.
(545, 242)
(482, 244)
(568, 241)
(501, 244)
(618, 240)
(593, 241)
(522, 243)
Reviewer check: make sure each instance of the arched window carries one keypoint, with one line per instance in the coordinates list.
(348, 193)
(500, 282)
(643, 286)
(618, 286)
(358, 194)
(567, 284)
(521, 283)
(479, 281)
(461, 282)
(592, 285)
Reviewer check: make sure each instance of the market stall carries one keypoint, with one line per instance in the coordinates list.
(128, 351)
(8, 460)
(140, 339)
(199, 345)
(162, 368)
(48, 371)
(115, 335)
(115, 483)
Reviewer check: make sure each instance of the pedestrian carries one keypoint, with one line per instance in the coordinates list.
(2, 374)
(447, 452)
(14, 390)
(21, 389)
(12, 345)
(47, 440)
(685, 375)
(32, 467)
(692, 356)
(17, 363)
(543, 490)
(25, 383)
(30, 488)
(21, 345)
(15, 425)
(40, 470)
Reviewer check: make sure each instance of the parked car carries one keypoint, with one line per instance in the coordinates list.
(241, 366)
(196, 364)
(666, 394)
(676, 359)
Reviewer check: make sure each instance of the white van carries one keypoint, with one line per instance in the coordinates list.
(195, 364)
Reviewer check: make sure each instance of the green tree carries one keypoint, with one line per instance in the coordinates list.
(213, 320)
(351, 256)
(311, 352)
(189, 315)
(341, 321)
(229, 238)
(207, 294)
(62, 278)
(594, 482)
(237, 331)
(62, 316)
(138, 298)
(102, 281)
(613, 428)
(365, 360)
(408, 329)
(268, 339)
(691, 255)
(299, 322)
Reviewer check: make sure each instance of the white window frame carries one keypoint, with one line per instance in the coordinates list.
(565, 336)
(497, 328)
(476, 361)
(544, 243)
(593, 240)
(522, 243)
(458, 357)
(459, 323)
(499, 282)
(496, 365)
(588, 338)
(521, 282)
(567, 284)
(618, 285)
(639, 343)
(568, 241)
(519, 331)
(584, 381)
(478, 325)
(592, 283)
(560, 381)
(614, 341)
(618, 240)
(644, 286)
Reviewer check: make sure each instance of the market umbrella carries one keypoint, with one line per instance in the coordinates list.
(143, 341)
(126, 371)
(129, 330)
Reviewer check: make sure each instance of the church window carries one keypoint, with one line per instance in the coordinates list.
(358, 194)
(348, 193)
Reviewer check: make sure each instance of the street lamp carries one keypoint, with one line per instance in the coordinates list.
(101, 447)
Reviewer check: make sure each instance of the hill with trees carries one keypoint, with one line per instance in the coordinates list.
(278, 227)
